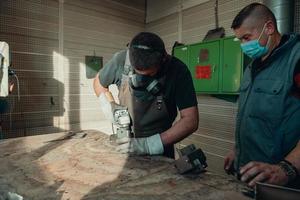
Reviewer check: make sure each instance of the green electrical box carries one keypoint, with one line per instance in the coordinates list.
(216, 66)
(232, 68)
(204, 65)
(181, 53)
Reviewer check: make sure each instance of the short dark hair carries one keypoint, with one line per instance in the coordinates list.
(264, 13)
(146, 50)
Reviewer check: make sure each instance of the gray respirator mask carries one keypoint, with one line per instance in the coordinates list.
(144, 87)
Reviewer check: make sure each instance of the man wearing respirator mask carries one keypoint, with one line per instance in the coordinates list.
(152, 85)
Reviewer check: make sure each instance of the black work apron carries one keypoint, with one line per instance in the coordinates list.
(148, 117)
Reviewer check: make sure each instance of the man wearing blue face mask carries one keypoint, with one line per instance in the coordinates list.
(267, 145)
(152, 85)
(254, 49)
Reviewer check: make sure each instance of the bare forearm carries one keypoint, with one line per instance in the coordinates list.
(254, 172)
(294, 157)
(187, 124)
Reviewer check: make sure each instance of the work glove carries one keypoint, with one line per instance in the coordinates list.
(106, 107)
(142, 146)
(109, 108)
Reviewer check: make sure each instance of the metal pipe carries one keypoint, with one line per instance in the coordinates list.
(216, 14)
(284, 13)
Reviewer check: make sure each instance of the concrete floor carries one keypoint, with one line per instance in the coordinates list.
(69, 166)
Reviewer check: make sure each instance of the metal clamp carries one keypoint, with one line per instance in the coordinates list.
(191, 159)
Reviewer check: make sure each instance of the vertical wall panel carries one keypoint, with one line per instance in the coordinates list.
(31, 29)
(157, 9)
(199, 19)
(101, 26)
(49, 40)
(167, 28)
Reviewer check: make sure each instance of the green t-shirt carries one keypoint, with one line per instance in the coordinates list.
(178, 90)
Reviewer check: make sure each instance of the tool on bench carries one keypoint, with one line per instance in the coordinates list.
(190, 160)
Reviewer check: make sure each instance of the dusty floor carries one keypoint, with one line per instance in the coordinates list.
(49, 167)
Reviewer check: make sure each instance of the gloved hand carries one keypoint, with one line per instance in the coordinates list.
(109, 108)
(106, 107)
(142, 146)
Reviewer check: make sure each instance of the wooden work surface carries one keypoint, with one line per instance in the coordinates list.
(85, 165)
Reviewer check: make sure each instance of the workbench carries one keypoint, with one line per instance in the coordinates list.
(85, 165)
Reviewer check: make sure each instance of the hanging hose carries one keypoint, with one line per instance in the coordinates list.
(216, 14)
(217, 32)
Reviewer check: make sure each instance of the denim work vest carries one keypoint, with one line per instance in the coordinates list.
(268, 119)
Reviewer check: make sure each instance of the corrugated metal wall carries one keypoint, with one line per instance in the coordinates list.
(49, 40)
(217, 117)
(106, 27)
(166, 28)
(31, 29)
(199, 19)
(191, 25)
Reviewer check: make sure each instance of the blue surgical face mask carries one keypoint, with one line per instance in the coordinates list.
(253, 49)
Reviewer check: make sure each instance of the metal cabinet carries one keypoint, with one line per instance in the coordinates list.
(204, 65)
(232, 67)
(181, 53)
(216, 66)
